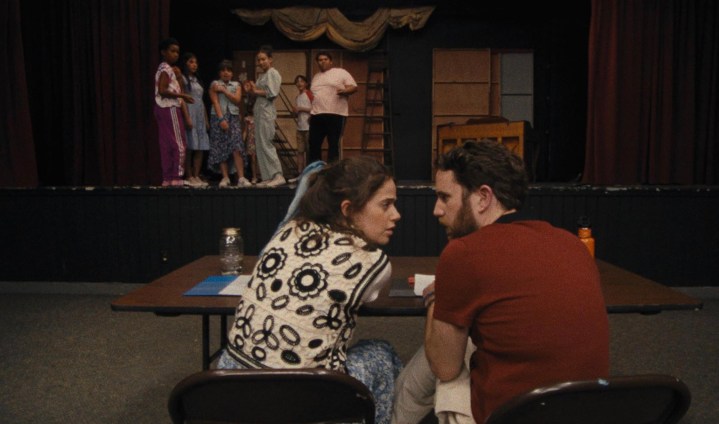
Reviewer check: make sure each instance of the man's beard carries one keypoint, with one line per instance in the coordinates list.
(464, 223)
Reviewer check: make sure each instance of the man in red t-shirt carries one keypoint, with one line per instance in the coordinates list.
(525, 293)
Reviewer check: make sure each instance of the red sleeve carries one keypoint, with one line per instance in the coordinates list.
(452, 284)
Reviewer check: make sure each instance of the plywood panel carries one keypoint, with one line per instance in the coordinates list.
(462, 87)
(453, 65)
(352, 136)
(461, 99)
(357, 100)
(290, 64)
(495, 101)
(356, 65)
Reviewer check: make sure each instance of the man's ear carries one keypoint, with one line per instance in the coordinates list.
(484, 196)
(345, 207)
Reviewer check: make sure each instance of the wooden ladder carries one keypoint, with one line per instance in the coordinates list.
(377, 128)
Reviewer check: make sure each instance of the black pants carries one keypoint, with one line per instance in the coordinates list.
(321, 126)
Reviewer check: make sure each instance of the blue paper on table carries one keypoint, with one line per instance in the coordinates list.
(211, 286)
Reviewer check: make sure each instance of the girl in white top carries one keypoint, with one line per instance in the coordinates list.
(170, 124)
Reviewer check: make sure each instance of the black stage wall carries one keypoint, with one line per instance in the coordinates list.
(669, 234)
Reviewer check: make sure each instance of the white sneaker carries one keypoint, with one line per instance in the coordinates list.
(293, 180)
(225, 182)
(193, 182)
(278, 180)
(243, 182)
(199, 182)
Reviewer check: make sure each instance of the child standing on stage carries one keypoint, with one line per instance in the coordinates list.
(302, 109)
(265, 90)
(197, 139)
(248, 133)
(167, 109)
(226, 128)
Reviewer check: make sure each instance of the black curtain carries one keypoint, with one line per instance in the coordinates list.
(17, 150)
(653, 99)
(89, 68)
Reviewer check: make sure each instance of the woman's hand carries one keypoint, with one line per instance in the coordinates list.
(224, 125)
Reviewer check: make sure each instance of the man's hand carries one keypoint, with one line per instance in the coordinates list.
(347, 90)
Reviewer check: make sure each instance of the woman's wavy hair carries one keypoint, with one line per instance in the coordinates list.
(488, 162)
(355, 179)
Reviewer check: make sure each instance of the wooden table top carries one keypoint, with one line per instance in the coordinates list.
(624, 291)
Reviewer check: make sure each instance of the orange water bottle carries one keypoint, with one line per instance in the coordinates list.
(584, 232)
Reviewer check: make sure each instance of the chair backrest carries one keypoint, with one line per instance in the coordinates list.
(270, 396)
(641, 399)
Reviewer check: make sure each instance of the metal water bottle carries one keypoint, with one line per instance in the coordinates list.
(232, 251)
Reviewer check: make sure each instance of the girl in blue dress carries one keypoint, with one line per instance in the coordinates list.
(198, 141)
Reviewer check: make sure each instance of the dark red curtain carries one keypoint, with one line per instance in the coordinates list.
(17, 151)
(90, 70)
(653, 92)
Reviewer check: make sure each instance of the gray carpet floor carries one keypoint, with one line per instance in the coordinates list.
(67, 358)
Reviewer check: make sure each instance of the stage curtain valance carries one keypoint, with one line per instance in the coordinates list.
(308, 23)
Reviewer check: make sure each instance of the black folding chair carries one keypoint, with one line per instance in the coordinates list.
(270, 396)
(641, 399)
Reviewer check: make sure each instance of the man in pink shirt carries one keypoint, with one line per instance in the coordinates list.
(331, 88)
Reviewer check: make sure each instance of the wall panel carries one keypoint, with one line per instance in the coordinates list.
(668, 234)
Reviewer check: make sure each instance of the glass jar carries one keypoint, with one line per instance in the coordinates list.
(232, 251)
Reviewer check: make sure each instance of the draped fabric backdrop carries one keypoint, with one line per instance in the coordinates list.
(653, 92)
(309, 23)
(89, 68)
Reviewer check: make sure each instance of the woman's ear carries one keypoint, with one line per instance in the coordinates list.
(345, 207)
